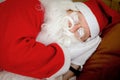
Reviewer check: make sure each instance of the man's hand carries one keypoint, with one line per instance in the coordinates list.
(69, 74)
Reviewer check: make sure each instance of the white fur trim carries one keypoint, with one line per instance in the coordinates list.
(90, 18)
(5, 75)
(85, 51)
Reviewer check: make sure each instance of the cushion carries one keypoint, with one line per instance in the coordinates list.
(104, 64)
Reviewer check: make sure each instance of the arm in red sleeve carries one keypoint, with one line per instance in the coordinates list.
(19, 52)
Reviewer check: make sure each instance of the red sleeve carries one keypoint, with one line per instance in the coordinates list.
(19, 52)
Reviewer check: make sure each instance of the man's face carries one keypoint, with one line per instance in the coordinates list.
(79, 25)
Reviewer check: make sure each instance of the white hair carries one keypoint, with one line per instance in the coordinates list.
(56, 26)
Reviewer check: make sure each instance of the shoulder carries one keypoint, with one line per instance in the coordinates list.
(21, 4)
(21, 7)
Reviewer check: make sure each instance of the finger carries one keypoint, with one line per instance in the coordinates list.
(68, 75)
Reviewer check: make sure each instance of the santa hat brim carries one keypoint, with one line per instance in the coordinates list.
(90, 18)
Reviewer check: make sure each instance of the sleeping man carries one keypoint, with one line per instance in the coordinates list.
(75, 27)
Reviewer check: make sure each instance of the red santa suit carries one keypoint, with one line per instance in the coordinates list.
(20, 23)
(55, 29)
(29, 57)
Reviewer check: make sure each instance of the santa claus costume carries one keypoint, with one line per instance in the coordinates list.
(20, 53)
(55, 30)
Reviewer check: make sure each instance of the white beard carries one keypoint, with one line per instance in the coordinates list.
(53, 29)
(5, 75)
(56, 28)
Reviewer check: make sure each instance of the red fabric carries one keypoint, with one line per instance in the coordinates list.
(20, 22)
(105, 15)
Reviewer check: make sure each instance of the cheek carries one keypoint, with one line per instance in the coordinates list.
(87, 32)
(86, 36)
(77, 35)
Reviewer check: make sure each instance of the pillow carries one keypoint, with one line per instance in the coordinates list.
(104, 64)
